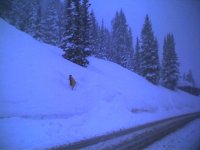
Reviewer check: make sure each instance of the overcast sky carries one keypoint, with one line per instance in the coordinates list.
(180, 17)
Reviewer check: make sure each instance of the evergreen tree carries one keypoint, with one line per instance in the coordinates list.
(38, 22)
(85, 16)
(189, 77)
(61, 22)
(115, 40)
(149, 53)
(170, 66)
(73, 42)
(15, 15)
(108, 46)
(101, 50)
(137, 57)
(33, 19)
(184, 77)
(52, 23)
(120, 40)
(43, 28)
(155, 68)
(130, 64)
(93, 34)
(68, 33)
(23, 15)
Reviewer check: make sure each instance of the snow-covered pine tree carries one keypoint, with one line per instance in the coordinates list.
(115, 34)
(16, 13)
(38, 24)
(120, 38)
(137, 57)
(101, 50)
(52, 23)
(85, 27)
(68, 32)
(130, 55)
(61, 22)
(107, 42)
(155, 64)
(170, 65)
(93, 36)
(43, 28)
(189, 77)
(149, 53)
(24, 15)
(72, 42)
(34, 7)
(102, 42)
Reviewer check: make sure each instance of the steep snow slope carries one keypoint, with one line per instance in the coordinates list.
(37, 102)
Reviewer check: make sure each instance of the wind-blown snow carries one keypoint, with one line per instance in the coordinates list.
(39, 109)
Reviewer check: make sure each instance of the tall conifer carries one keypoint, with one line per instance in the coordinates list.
(170, 65)
(149, 53)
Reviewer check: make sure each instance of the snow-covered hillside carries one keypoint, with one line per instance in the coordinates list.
(39, 109)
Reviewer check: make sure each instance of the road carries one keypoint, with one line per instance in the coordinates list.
(133, 138)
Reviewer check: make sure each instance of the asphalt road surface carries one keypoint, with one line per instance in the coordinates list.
(135, 138)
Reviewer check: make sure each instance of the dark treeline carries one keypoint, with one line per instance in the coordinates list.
(71, 26)
(45, 23)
